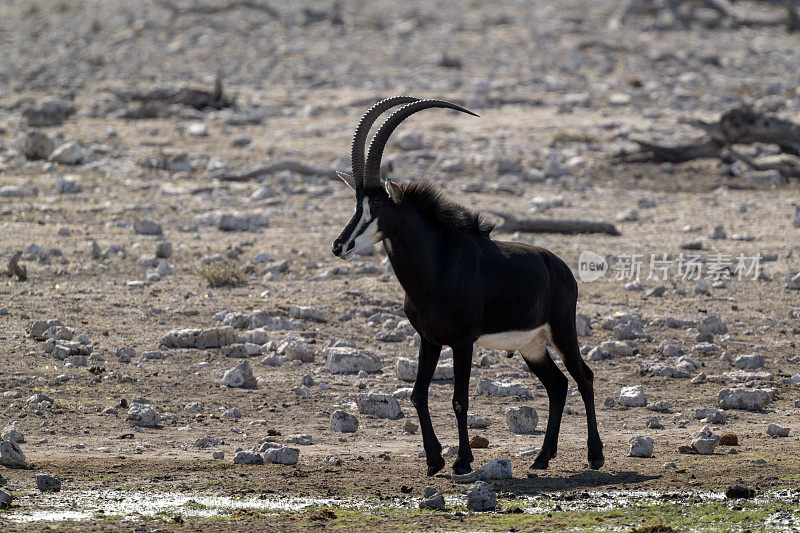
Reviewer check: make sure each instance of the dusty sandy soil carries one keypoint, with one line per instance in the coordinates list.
(558, 93)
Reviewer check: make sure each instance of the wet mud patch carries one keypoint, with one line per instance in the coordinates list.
(573, 510)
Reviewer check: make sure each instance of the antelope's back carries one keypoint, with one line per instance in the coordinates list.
(522, 284)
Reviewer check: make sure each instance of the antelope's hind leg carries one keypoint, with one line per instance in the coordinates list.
(462, 363)
(565, 341)
(555, 383)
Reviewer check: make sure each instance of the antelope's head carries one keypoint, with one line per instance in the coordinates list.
(377, 201)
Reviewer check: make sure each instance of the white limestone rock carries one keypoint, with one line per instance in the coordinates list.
(69, 153)
(200, 338)
(745, 399)
(12, 433)
(282, 456)
(705, 441)
(345, 360)
(632, 396)
(493, 471)
(379, 404)
(247, 458)
(481, 497)
(775, 430)
(143, 415)
(240, 376)
(476, 421)
(11, 455)
(522, 420)
(501, 388)
(407, 370)
(344, 422)
(640, 447)
(749, 361)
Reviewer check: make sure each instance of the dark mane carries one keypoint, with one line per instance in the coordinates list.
(432, 203)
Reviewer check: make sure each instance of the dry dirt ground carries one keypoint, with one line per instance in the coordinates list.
(558, 93)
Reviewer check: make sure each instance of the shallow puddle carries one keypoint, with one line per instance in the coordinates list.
(91, 504)
(99, 505)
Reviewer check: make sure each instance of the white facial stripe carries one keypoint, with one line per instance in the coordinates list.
(365, 220)
(365, 234)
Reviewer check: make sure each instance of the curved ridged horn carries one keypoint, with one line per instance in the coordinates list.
(373, 168)
(366, 122)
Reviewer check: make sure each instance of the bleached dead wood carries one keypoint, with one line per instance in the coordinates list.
(684, 12)
(197, 98)
(787, 169)
(741, 125)
(210, 9)
(272, 168)
(552, 225)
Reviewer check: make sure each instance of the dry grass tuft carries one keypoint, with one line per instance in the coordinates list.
(221, 274)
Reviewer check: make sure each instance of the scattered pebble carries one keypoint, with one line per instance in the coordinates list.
(343, 360)
(344, 422)
(521, 420)
(481, 497)
(143, 415)
(240, 376)
(379, 404)
(146, 226)
(479, 441)
(632, 396)
(247, 458)
(640, 447)
(432, 500)
(745, 399)
(775, 430)
(705, 441)
(48, 483)
(410, 427)
(11, 455)
(735, 492)
(282, 456)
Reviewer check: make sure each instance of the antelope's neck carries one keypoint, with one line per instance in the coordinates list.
(412, 253)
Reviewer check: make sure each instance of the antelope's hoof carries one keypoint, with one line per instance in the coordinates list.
(540, 464)
(435, 466)
(597, 464)
(460, 468)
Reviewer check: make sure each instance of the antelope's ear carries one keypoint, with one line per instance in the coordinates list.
(394, 190)
(347, 178)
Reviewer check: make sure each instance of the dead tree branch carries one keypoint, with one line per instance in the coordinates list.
(684, 12)
(197, 98)
(272, 168)
(553, 225)
(740, 125)
(194, 9)
(786, 168)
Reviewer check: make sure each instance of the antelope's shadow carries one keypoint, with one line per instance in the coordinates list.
(588, 479)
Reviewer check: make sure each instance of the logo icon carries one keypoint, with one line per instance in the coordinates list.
(591, 266)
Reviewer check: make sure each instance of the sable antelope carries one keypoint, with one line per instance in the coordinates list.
(463, 288)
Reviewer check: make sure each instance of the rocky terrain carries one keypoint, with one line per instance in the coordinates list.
(172, 319)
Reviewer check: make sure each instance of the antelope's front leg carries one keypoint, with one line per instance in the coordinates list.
(428, 359)
(462, 363)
